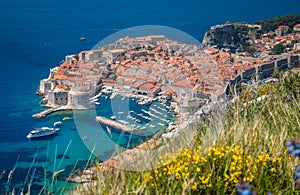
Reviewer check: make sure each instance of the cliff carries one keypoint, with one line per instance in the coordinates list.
(230, 36)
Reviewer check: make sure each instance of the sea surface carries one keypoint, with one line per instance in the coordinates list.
(36, 35)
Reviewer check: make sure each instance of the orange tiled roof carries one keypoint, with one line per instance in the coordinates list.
(62, 86)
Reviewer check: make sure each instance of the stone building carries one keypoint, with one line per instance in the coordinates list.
(78, 100)
(45, 86)
(57, 97)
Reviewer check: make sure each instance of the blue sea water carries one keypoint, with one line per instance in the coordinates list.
(36, 35)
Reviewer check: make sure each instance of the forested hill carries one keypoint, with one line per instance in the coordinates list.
(272, 23)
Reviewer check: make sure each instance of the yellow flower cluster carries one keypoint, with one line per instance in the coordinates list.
(220, 167)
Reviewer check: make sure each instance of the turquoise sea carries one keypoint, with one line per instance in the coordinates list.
(36, 35)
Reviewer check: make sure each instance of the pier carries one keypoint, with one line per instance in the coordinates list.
(115, 124)
(46, 112)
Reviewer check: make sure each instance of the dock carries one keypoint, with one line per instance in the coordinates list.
(114, 124)
(46, 112)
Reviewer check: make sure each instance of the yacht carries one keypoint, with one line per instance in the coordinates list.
(42, 132)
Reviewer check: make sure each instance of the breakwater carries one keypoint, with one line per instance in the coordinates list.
(48, 111)
(114, 124)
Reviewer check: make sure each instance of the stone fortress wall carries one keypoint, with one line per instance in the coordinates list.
(259, 72)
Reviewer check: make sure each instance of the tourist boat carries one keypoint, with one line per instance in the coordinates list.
(42, 132)
(58, 123)
(120, 113)
(66, 118)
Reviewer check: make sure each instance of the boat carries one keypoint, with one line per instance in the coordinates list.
(120, 113)
(161, 124)
(58, 123)
(97, 103)
(94, 100)
(109, 131)
(42, 132)
(113, 117)
(82, 38)
(66, 118)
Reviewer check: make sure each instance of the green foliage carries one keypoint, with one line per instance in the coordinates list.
(76, 56)
(273, 23)
(250, 49)
(277, 49)
(276, 74)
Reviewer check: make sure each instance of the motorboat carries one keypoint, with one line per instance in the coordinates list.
(57, 123)
(82, 39)
(66, 118)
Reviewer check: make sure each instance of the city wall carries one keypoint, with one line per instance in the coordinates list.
(260, 72)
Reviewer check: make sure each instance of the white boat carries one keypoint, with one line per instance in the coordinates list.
(161, 124)
(152, 126)
(109, 131)
(143, 128)
(97, 103)
(94, 100)
(113, 117)
(120, 112)
(82, 39)
(58, 123)
(42, 132)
